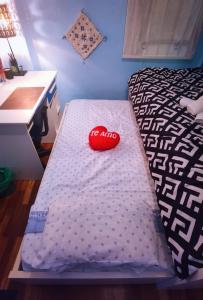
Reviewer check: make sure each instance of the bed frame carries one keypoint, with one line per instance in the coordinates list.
(161, 279)
(83, 278)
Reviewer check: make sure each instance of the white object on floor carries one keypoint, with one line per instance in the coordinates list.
(196, 106)
(184, 101)
(199, 118)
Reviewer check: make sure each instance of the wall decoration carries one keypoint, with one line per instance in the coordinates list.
(84, 36)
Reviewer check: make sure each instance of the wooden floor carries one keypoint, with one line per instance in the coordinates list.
(14, 209)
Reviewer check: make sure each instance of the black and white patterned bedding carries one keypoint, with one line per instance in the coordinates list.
(173, 143)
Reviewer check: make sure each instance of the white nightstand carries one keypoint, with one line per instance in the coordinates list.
(16, 147)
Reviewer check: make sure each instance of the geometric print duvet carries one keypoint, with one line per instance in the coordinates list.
(173, 143)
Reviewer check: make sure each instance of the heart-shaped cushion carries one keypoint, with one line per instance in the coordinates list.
(101, 139)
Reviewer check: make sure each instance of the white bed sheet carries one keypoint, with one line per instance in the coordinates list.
(101, 204)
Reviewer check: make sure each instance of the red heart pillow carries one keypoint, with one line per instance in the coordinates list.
(101, 139)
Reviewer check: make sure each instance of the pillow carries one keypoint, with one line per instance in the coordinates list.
(101, 139)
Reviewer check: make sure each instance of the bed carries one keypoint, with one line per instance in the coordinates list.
(96, 215)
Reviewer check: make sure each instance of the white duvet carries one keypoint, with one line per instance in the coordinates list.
(100, 204)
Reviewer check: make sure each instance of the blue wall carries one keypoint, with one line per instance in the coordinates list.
(104, 74)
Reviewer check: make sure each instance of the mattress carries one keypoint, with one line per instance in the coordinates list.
(101, 205)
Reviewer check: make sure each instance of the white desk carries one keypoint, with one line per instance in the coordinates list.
(16, 147)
